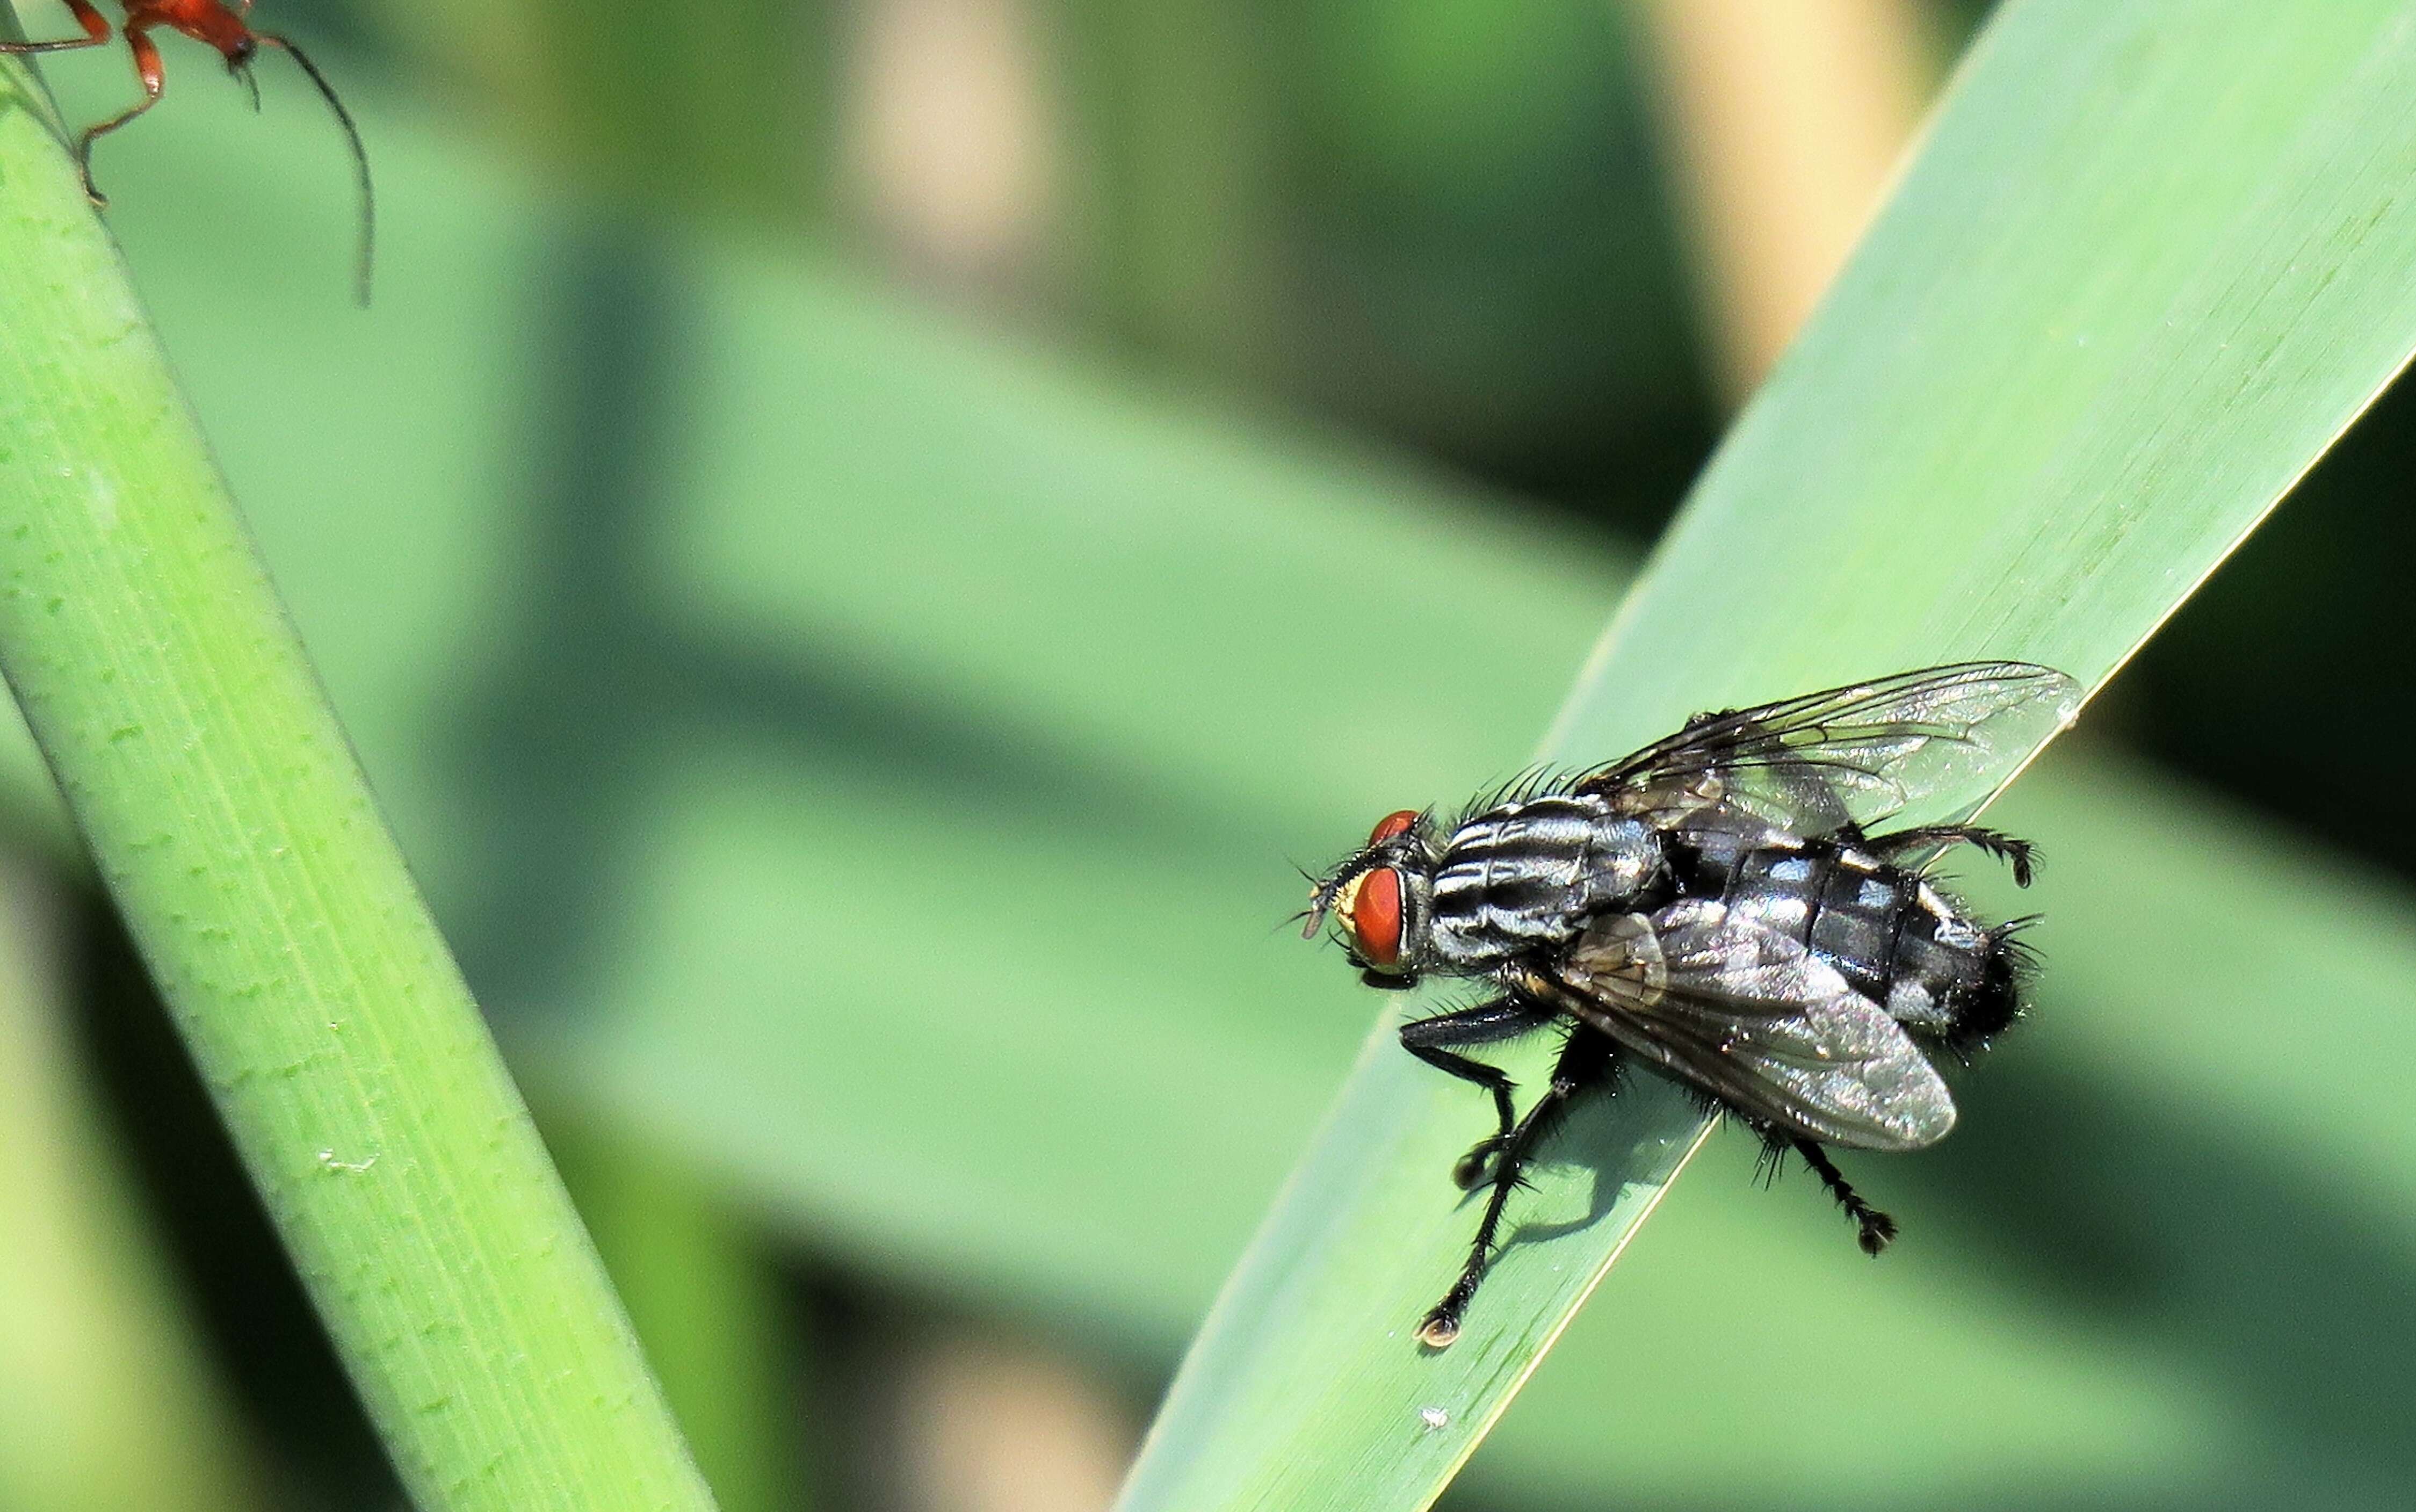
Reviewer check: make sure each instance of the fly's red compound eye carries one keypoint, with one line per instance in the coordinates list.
(1392, 824)
(1370, 907)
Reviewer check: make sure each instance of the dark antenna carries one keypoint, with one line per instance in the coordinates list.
(360, 156)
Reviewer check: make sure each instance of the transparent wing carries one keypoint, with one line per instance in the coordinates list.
(1750, 1016)
(1861, 755)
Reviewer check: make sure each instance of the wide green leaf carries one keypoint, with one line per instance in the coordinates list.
(2150, 262)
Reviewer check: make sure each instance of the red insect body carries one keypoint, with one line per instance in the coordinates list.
(204, 20)
(216, 24)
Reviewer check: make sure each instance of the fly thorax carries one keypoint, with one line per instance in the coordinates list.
(1526, 876)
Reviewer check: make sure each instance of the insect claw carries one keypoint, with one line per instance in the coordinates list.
(1439, 1329)
(1471, 1170)
(1878, 1231)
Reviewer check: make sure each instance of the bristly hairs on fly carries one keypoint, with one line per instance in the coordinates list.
(1528, 783)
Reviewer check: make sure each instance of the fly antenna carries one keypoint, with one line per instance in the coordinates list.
(360, 157)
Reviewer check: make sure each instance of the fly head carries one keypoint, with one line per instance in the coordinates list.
(1380, 901)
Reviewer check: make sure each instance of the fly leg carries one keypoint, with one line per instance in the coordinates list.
(1875, 1227)
(2019, 855)
(1586, 1064)
(1486, 1023)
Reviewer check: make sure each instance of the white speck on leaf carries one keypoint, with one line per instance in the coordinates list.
(104, 498)
(1435, 1418)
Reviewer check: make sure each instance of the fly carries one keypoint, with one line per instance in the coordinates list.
(1728, 907)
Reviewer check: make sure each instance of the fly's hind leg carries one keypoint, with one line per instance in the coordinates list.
(1487, 1024)
(1588, 1063)
(1874, 1228)
(2019, 855)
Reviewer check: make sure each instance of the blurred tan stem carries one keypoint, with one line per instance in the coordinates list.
(990, 1422)
(948, 137)
(1785, 120)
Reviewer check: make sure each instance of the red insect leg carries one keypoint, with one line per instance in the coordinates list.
(96, 31)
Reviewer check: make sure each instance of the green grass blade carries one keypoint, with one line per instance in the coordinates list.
(230, 821)
(2151, 262)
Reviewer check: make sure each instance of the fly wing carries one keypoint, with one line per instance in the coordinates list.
(1749, 1013)
(1860, 755)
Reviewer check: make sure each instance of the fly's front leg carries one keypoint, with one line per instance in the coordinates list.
(1588, 1063)
(1487, 1024)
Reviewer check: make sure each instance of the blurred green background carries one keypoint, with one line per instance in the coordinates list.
(859, 543)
